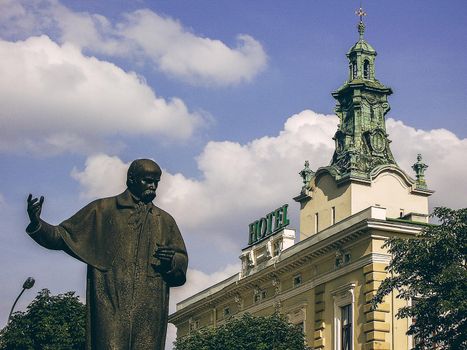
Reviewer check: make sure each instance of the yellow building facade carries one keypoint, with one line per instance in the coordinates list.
(325, 279)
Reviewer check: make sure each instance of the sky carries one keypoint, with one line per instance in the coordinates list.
(229, 97)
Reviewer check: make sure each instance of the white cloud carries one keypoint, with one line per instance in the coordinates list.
(185, 55)
(15, 19)
(56, 99)
(171, 336)
(105, 176)
(196, 282)
(142, 34)
(24, 18)
(240, 182)
(444, 153)
(250, 178)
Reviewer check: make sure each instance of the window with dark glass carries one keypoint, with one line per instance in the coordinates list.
(346, 327)
(226, 311)
(297, 280)
(346, 258)
(260, 295)
(366, 69)
(301, 326)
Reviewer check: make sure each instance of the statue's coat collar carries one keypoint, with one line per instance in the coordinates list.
(128, 200)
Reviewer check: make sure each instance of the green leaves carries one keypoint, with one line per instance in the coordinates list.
(246, 333)
(431, 271)
(49, 323)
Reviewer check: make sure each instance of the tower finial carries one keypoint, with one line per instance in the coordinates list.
(361, 26)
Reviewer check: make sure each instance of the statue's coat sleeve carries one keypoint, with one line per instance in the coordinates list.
(89, 236)
(176, 274)
(82, 236)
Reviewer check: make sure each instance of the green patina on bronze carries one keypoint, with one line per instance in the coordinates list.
(306, 174)
(419, 167)
(361, 140)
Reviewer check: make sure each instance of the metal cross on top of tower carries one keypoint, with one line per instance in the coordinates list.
(360, 13)
(361, 25)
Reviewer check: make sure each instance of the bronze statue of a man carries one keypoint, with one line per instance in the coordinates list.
(134, 252)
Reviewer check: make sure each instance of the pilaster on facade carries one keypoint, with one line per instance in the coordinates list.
(320, 324)
(344, 315)
(377, 322)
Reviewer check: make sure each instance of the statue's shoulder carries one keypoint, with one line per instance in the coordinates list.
(163, 213)
(107, 201)
(103, 203)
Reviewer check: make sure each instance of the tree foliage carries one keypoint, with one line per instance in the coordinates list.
(431, 272)
(246, 333)
(49, 323)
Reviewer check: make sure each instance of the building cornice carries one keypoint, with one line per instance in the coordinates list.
(320, 279)
(290, 293)
(364, 223)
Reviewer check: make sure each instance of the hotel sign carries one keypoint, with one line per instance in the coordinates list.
(267, 226)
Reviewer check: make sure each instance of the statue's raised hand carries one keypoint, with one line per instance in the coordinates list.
(34, 209)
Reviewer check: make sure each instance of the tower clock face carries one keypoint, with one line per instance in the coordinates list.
(378, 142)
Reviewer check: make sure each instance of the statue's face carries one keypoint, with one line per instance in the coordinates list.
(145, 183)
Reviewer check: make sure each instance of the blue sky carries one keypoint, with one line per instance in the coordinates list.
(230, 97)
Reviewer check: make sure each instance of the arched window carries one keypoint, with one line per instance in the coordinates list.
(354, 70)
(366, 69)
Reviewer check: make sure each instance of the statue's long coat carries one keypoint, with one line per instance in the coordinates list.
(127, 288)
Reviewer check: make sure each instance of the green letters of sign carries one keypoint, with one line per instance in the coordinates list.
(270, 224)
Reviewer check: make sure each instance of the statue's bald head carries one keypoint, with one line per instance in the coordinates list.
(142, 178)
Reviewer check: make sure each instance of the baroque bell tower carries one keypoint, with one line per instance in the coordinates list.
(361, 140)
(363, 173)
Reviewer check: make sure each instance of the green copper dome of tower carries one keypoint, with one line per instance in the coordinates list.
(361, 140)
(363, 174)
